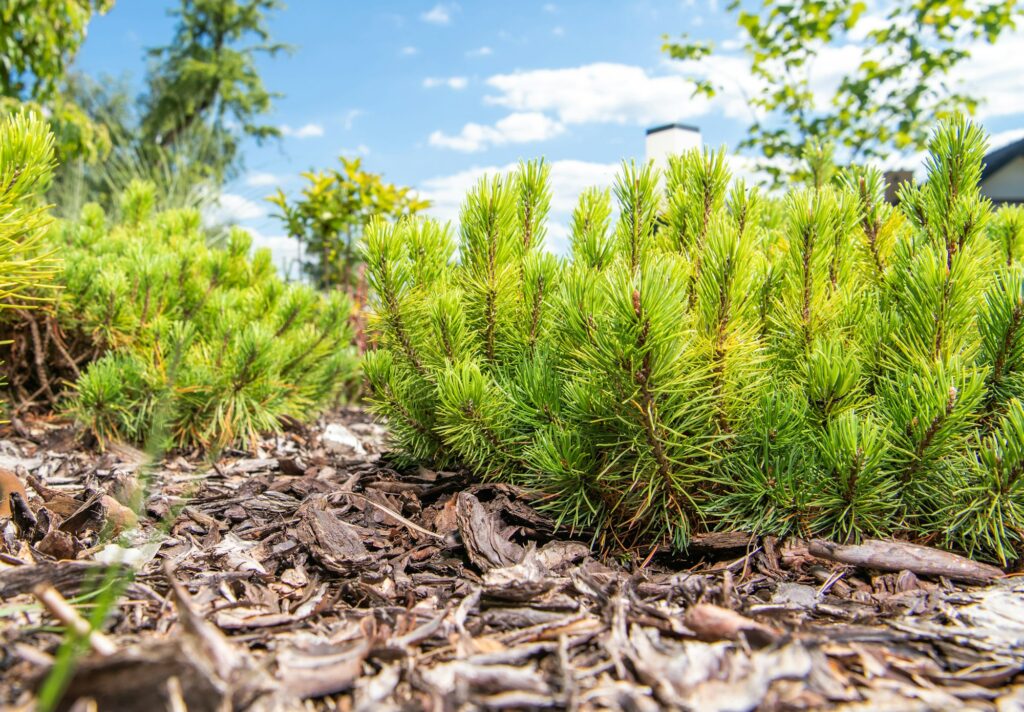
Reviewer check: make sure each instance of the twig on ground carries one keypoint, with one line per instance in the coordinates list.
(64, 612)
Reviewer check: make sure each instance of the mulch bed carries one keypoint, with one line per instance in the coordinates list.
(311, 573)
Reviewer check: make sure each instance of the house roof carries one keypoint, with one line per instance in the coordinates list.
(995, 160)
(666, 127)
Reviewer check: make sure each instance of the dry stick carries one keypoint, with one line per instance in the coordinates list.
(64, 612)
(898, 555)
(38, 355)
(62, 347)
(175, 695)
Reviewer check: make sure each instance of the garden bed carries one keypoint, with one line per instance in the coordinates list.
(310, 572)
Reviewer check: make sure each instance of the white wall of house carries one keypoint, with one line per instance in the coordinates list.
(1006, 184)
(670, 141)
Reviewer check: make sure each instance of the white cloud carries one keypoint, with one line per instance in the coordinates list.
(285, 250)
(1005, 138)
(515, 128)
(558, 31)
(992, 75)
(440, 14)
(408, 51)
(598, 93)
(350, 116)
(550, 7)
(456, 83)
(360, 150)
(305, 131)
(262, 180)
(568, 180)
(480, 52)
(231, 208)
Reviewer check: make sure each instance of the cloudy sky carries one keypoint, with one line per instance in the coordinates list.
(435, 94)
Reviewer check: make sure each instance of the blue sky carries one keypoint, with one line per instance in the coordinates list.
(434, 94)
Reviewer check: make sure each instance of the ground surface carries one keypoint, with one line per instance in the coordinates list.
(309, 574)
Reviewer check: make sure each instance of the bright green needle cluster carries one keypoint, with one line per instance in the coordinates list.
(27, 265)
(200, 346)
(711, 358)
(26, 166)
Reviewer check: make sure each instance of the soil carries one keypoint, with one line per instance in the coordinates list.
(312, 572)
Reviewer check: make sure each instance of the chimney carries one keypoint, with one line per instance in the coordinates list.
(670, 140)
(893, 181)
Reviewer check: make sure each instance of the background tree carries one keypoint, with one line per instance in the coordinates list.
(203, 94)
(331, 213)
(206, 81)
(886, 104)
(187, 173)
(38, 42)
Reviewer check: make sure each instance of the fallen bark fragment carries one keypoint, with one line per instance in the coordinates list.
(719, 677)
(336, 544)
(486, 544)
(900, 555)
(66, 576)
(323, 671)
(711, 623)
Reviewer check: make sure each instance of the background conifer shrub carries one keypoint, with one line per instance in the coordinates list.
(155, 328)
(823, 364)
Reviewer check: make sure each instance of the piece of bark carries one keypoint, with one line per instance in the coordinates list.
(58, 545)
(66, 576)
(326, 670)
(520, 582)
(486, 545)
(22, 515)
(722, 541)
(56, 501)
(900, 555)
(135, 680)
(336, 544)
(557, 555)
(89, 516)
(710, 623)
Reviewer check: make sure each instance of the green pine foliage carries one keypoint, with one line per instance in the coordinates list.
(822, 364)
(27, 266)
(196, 346)
(26, 166)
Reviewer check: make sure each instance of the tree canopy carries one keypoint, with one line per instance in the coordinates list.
(887, 103)
(206, 79)
(38, 42)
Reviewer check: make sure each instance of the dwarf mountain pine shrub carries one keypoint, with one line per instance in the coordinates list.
(26, 166)
(193, 345)
(823, 364)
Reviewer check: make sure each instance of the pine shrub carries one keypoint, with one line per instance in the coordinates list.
(27, 266)
(822, 364)
(177, 343)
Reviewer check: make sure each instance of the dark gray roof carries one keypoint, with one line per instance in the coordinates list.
(666, 127)
(995, 160)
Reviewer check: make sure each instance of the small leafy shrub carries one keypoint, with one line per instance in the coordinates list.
(193, 345)
(331, 213)
(823, 364)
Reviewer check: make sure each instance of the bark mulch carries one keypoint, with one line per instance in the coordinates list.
(312, 573)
